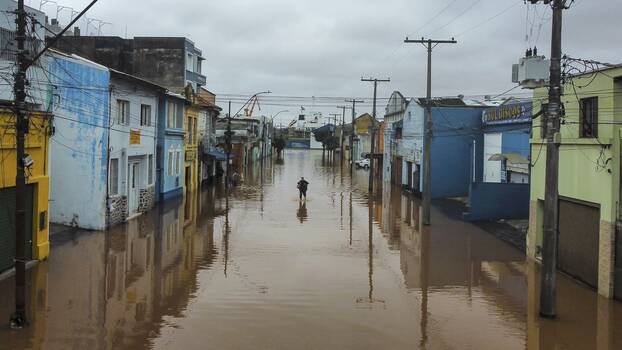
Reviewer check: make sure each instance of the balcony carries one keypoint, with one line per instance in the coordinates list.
(197, 78)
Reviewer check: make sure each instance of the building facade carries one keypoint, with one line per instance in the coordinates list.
(105, 136)
(172, 62)
(589, 180)
(394, 114)
(37, 187)
(132, 158)
(456, 131)
(505, 168)
(80, 144)
(209, 157)
(362, 136)
(170, 145)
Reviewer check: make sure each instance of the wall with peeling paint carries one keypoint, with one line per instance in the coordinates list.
(79, 147)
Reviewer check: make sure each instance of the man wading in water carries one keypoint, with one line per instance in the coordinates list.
(302, 187)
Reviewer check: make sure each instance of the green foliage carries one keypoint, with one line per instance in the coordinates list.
(279, 143)
(331, 142)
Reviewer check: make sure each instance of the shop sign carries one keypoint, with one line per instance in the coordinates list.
(508, 114)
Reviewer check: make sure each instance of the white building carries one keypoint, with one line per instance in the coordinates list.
(134, 106)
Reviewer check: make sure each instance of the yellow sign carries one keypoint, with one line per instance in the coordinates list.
(134, 137)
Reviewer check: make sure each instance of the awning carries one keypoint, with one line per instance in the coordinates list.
(511, 158)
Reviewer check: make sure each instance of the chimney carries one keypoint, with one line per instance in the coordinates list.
(76, 31)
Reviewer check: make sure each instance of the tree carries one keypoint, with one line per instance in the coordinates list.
(322, 135)
(279, 143)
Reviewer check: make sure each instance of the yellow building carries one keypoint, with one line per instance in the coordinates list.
(191, 172)
(38, 184)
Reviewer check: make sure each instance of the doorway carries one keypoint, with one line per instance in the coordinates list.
(409, 167)
(579, 225)
(133, 177)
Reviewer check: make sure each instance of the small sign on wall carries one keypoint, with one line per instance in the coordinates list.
(134, 137)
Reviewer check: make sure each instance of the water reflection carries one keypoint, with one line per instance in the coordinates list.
(238, 271)
(302, 213)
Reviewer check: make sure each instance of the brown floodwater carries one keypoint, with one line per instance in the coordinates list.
(343, 270)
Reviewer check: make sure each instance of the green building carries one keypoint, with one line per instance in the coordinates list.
(589, 179)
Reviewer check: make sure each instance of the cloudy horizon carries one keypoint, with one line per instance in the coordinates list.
(320, 48)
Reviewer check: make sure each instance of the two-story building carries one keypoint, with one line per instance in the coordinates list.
(209, 156)
(103, 150)
(363, 125)
(170, 145)
(191, 145)
(392, 161)
(589, 179)
(36, 145)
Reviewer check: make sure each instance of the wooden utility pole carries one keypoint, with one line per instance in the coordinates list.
(354, 102)
(373, 130)
(342, 136)
(548, 279)
(18, 319)
(228, 136)
(427, 141)
(25, 59)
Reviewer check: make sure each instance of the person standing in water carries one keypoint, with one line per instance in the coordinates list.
(302, 187)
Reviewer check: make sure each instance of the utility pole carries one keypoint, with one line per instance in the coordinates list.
(548, 279)
(342, 136)
(427, 141)
(228, 135)
(373, 131)
(334, 115)
(354, 101)
(25, 59)
(18, 319)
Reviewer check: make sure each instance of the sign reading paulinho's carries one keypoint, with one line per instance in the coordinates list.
(508, 114)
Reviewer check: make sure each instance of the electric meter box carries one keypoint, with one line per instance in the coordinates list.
(531, 72)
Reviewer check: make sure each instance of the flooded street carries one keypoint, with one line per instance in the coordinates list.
(342, 270)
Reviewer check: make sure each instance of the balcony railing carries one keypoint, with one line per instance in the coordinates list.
(196, 77)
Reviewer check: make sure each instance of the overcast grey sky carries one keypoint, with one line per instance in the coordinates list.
(322, 48)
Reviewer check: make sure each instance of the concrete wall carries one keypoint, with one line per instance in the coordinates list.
(160, 60)
(79, 147)
(491, 201)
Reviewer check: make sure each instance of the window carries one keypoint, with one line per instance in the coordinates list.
(180, 117)
(150, 172)
(589, 117)
(114, 176)
(171, 115)
(544, 126)
(145, 115)
(190, 132)
(170, 163)
(123, 112)
(189, 62)
(178, 163)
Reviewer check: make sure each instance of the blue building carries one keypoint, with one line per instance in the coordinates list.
(170, 146)
(456, 131)
(505, 164)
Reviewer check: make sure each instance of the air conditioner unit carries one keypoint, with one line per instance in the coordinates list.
(531, 72)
